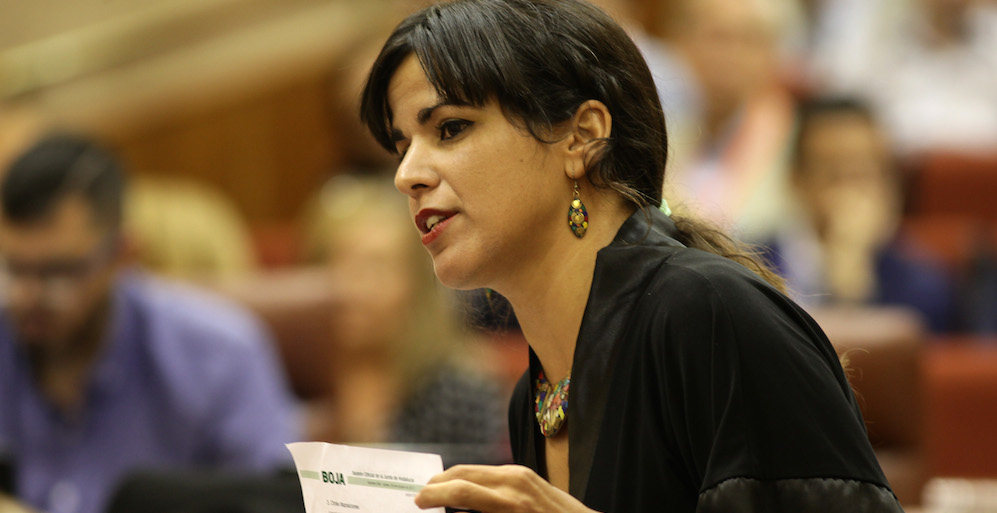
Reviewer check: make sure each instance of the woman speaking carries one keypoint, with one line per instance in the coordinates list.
(667, 370)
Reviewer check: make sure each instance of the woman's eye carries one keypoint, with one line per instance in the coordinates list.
(452, 128)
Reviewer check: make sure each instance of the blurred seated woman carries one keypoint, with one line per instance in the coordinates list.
(403, 371)
(843, 246)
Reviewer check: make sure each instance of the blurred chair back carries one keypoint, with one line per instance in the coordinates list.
(961, 377)
(296, 305)
(883, 349)
(955, 184)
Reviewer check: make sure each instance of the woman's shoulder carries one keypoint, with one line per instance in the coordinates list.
(700, 300)
(691, 275)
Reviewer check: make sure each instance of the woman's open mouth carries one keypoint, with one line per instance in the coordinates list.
(432, 222)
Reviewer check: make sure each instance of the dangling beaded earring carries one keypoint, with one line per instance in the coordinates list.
(578, 217)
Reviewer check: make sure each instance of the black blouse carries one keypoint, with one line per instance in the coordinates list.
(696, 386)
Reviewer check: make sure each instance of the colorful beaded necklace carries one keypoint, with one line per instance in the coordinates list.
(551, 404)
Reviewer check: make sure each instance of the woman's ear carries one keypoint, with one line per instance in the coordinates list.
(587, 131)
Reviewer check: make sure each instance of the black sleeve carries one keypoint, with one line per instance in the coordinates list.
(764, 414)
(743, 495)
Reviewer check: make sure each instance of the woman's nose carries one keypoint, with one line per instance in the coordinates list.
(416, 172)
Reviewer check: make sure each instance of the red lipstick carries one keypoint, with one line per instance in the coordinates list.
(432, 222)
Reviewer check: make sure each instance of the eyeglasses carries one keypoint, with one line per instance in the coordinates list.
(57, 281)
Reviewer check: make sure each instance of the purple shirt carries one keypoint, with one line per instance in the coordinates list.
(185, 380)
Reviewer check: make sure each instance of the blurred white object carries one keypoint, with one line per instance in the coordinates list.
(951, 495)
(932, 88)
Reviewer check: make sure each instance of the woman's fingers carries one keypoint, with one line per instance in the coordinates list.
(490, 489)
(487, 475)
(461, 494)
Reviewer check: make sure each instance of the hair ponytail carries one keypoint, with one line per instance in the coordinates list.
(699, 234)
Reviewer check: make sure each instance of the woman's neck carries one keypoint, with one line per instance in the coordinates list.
(549, 299)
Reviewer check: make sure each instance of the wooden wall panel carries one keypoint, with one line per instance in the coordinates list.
(244, 108)
(268, 153)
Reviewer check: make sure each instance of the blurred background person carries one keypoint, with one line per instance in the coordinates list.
(734, 173)
(677, 86)
(104, 371)
(841, 245)
(182, 228)
(404, 371)
(928, 67)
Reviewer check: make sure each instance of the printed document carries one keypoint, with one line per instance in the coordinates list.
(347, 479)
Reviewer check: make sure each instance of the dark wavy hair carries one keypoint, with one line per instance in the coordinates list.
(541, 60)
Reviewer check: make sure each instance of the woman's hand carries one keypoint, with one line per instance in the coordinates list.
(490, 489)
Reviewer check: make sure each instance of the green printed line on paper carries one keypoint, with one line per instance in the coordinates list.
(381, 483)
(311, 474)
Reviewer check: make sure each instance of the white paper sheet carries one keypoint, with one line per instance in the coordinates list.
(347, 479)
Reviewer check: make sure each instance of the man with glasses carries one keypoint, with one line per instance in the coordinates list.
(104, 371)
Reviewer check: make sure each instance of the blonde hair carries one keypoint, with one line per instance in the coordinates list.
(433, 334)
(186, 229)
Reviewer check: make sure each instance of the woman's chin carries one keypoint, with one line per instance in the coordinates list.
(456, 276)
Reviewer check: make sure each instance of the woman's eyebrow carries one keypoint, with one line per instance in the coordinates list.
(422, 117)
